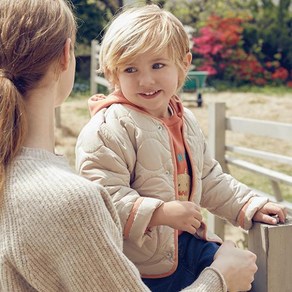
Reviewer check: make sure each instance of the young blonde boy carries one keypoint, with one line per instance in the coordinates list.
(150, 154)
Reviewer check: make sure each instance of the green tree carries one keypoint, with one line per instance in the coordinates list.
(90, 20)
(269, 34)
(93, 16)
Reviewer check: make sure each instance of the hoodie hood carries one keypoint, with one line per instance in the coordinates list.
(98, 102)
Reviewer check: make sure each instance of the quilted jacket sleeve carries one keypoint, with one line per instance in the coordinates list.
(106, 155)
(220, 192)
(226, 197)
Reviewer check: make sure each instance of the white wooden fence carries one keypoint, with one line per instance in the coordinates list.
(272, 244)
(95, 79)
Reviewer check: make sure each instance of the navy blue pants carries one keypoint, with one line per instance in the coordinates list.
(194, 255)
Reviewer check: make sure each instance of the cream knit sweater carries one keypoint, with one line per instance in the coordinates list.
(60, 232)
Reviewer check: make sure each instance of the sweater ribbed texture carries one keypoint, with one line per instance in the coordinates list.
(60, 232)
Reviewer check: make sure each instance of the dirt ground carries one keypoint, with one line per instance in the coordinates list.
(74, 116)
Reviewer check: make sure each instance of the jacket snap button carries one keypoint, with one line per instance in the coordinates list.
(159, 127)
(167, 172)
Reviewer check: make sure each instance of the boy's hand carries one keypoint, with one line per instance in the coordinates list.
(271, 213)
(181, 215)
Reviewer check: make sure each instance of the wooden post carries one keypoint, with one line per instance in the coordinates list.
(93, 66)
(216, 133)
(272, 245)
(216, 141)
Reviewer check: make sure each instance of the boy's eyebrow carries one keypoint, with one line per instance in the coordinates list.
(127, 65)
(155, 59)
(160, 59)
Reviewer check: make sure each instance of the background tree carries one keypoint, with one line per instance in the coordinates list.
(94, 15)
(269, 34)
(91, 19)
(262, 52)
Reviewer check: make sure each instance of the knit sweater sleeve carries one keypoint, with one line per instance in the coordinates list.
(84, 248)
(210, 280)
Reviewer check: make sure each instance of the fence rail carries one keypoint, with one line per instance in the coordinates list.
(226, 154)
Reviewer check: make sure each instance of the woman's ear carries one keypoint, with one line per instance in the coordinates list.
(66, 55)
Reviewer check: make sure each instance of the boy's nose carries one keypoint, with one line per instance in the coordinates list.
(146, 79)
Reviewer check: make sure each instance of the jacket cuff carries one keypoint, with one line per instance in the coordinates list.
(139, 218)
(247, 212)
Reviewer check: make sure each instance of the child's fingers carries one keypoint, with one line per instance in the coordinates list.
(276, 209)
(269, 219)
(282, 214)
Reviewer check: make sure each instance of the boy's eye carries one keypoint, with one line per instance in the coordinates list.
(157, 66)
(130, 70)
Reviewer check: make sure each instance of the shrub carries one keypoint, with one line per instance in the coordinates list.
(221, 49)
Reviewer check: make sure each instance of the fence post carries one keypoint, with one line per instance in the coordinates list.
(93, 66)
(216, 133)
(216, 141)
(272, 245)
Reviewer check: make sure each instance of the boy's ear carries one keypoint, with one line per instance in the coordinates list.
(65, 58)
(188, 60)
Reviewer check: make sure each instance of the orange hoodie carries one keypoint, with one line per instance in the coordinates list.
(100, 101)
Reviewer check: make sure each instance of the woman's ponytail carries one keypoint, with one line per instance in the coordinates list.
(13, 123)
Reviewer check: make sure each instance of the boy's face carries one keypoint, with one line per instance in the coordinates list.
(149, 81)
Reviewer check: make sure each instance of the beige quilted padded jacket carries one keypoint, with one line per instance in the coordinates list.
(129, 152)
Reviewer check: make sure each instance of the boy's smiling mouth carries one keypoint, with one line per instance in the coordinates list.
(150, 94)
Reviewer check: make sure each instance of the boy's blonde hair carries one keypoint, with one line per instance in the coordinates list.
(139, 30)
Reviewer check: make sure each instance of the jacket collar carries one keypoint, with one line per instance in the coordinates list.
(98, 102)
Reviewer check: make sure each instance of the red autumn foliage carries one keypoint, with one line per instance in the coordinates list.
(280, 74)
(220, 45)
(216, 41)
